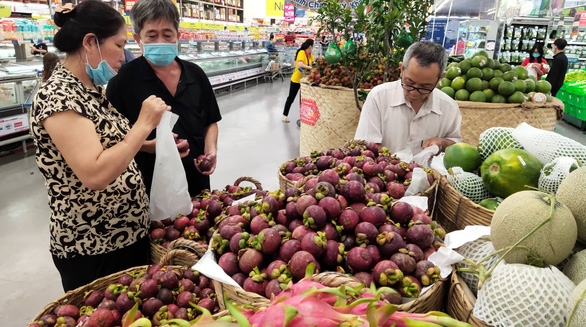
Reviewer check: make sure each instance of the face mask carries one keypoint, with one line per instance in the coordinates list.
(103, 73)
(535, 55)
(160, 54)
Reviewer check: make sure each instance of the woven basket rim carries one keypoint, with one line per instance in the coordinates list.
(476, 206)
(461, 301)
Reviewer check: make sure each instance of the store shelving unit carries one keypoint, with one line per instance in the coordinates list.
(216, 10)
(520, 36)
(479, 35)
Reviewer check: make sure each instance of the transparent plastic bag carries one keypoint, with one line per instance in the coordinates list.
(169, 192)
(469, 184)
(554, 173)
(546, 145)
(496, 138)
(476, 251)
(522, 295)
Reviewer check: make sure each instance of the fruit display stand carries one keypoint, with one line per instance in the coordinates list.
(478, 117)
(461, 302)
(454, 211)
(77, 296)
(193, 250)
(432, 300)
(329, 117)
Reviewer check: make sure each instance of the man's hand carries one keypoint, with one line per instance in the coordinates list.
(182, 146)
(440, 142)
(207, 164)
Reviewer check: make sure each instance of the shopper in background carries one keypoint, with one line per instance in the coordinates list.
(559, 66)
(535, 63)
(271, 45)
(128, 56)
(181, 84)
(290, 38)
(39, 49)
(411, 113)
(85, 149)
(50, 61)
(303, 60)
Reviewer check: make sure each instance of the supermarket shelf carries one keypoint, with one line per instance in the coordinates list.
(214, 4)
(571, 42)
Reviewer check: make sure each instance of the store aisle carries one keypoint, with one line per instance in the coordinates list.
(253, 142)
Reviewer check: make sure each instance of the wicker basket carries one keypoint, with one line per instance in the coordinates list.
(337, 117)
(478, 117)
(461, 302)
(432, 300)
(454, 211)
(77, 296)
(158, 251)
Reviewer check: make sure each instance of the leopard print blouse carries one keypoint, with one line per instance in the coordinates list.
(83, 221)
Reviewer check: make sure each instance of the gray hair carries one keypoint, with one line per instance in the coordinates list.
(145, 10)
(426, 53)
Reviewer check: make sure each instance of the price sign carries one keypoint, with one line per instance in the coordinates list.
(128, 4)
(212, 26)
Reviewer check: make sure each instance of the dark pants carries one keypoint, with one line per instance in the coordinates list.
(293, 89)
(84, 269)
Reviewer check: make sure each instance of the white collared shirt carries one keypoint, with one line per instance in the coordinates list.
(388, 118)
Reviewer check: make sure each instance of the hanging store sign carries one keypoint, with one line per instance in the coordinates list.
(275, 8)
(313, 4)
(128, 4)
(289, 13)
(5, 11)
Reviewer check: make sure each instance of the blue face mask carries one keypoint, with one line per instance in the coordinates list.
(160, 54)
(102, 74)
(535, 55)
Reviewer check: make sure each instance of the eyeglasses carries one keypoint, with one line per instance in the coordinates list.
(421, 90)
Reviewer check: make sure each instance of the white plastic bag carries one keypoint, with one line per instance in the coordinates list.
(169, 192)
(419, 182)
(414, 153)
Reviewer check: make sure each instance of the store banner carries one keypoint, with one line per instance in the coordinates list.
(309, 112)
(275, 8)
(13, 124)
(289, 13)
(128, 4)
(315, 4)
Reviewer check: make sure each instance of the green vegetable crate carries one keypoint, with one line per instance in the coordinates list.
(573, 95)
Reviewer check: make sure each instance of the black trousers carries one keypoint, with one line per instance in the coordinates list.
(293, 89)
(84, 269)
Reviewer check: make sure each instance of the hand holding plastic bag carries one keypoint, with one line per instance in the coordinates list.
(169, 191)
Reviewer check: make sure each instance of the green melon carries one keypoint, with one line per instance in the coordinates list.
(519, 214)
(576, 313)
(465, 65)
(508, 171)
(572, 192)
(462, 155)
(449, 91)
(575, 269)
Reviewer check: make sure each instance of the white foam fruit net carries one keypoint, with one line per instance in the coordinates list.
(554, 173)
(469, 184)
(476, 251)
(522, 295)
(496, 138)
(546, 145)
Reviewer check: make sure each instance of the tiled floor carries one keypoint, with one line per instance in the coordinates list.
(253, 142)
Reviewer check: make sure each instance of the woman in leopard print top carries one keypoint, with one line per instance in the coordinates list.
(85, 150)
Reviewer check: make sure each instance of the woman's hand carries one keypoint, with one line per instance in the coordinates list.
(151, 112)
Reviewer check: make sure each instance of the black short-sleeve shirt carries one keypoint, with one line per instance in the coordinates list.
(194, 102)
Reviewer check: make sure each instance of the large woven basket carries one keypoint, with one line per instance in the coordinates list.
(432, 300)
(461, 302)
(337, 121)
(478, 117)
(454, 211)
(158, 251)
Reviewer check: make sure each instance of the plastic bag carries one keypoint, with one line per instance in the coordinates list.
(546, 145)
(423, 157)
(419, 182)
(349, 48)
(333, 54)
(554, 173)
(169, 192)
(522, 295)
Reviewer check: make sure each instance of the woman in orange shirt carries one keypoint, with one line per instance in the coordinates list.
(303, 60)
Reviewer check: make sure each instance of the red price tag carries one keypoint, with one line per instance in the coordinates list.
(308, 112)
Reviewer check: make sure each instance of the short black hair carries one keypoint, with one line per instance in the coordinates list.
(90, 16)
(272, 36)
(560, 43)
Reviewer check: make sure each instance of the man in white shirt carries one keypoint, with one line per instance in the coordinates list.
(411, 114)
